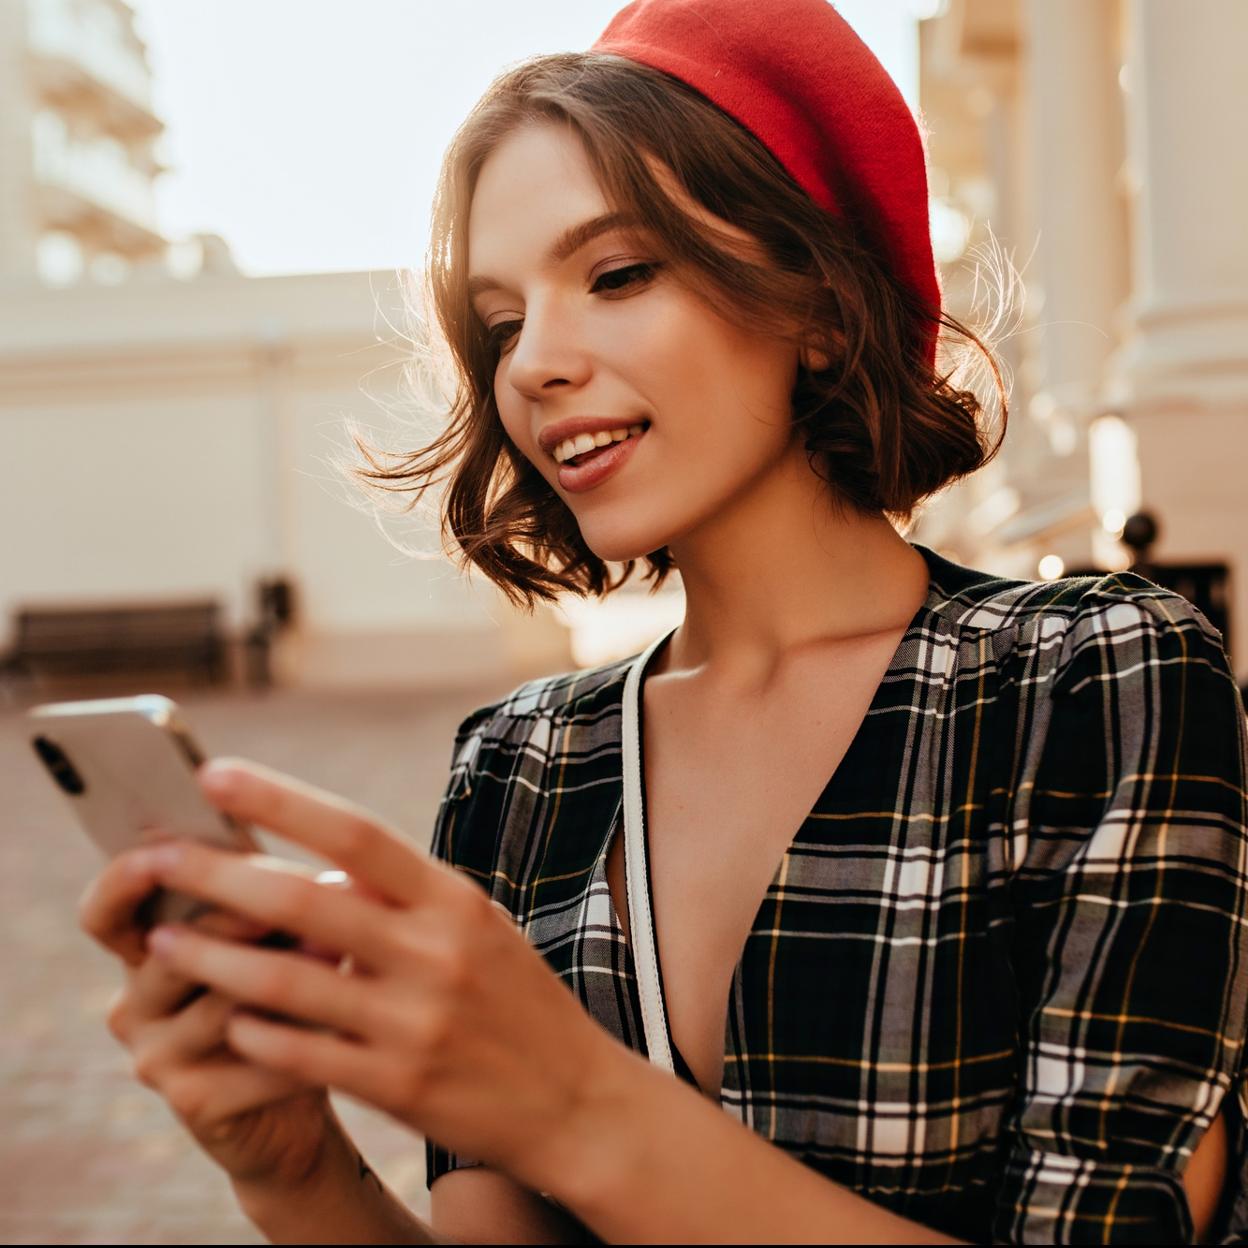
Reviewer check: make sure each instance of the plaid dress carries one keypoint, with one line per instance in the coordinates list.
(999, 982)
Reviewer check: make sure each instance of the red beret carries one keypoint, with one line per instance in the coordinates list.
(795, 74)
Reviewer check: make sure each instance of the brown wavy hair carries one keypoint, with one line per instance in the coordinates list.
(881, 427)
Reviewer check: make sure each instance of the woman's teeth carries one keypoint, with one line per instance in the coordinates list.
(569, 448)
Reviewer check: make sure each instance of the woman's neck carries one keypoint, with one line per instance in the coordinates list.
(781, 575)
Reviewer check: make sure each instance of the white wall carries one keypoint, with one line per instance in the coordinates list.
(174, 438)
(128, 498)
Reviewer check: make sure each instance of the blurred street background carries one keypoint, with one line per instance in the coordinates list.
(212, 219)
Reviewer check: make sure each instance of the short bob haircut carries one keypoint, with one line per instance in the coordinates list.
(881, 427)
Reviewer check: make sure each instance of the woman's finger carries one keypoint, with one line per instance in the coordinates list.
(328, 825)
(279, 896)
(336, 879)
(174, 1041)
(226, 1088)
(319, 1058)
(199, 1029)
(108, 910)
(157, 990)
(291, 984)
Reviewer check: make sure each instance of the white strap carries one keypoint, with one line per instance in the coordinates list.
(636, 872)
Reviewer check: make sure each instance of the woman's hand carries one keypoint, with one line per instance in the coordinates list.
(259, 1125)
(450, 1021)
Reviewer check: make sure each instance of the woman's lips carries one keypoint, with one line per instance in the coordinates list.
(576, 480)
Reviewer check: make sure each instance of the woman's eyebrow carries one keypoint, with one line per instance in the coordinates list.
(565, 246)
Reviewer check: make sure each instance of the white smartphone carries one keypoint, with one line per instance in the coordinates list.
(126, 766)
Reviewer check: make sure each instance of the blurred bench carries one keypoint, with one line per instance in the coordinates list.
(59, 641)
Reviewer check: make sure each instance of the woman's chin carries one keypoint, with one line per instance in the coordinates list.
(621, 547)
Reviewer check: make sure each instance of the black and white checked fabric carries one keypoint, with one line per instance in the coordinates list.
(999, 983)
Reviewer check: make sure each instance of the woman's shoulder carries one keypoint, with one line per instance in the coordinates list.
(1130, 716)
(1068, 622)
(1121, 624)
(559, 696)
(559, 732)
(584, 702)
(974, 598)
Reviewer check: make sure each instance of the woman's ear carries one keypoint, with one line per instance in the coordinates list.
(814, 360)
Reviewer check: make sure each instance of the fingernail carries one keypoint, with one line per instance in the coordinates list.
(164, 857)
(161, 939)
(217, 774)
(140, 862)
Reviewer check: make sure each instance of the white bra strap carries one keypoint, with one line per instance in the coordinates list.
(636, 873)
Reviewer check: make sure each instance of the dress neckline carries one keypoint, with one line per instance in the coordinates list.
(643, 946)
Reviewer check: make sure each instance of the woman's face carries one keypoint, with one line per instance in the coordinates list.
(597, 331)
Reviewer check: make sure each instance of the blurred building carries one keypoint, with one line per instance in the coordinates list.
(78, 142)
(168, 426)
(1101, 141)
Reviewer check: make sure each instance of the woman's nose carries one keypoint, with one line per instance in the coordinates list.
(547, 350)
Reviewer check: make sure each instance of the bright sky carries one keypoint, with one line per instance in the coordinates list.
(308, 133)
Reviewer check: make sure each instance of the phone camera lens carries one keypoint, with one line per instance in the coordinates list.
(55, 760)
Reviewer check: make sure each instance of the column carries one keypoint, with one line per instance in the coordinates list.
(1077, 274)
(1181, 377)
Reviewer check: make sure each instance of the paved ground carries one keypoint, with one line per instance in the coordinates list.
(88, 1155)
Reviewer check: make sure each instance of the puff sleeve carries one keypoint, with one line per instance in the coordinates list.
(1130, 944)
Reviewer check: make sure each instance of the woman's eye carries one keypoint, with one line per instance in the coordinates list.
(617, 279)
(501, 332)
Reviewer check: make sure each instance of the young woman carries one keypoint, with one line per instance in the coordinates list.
(881, 900)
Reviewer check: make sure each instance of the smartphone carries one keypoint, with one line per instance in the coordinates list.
(127, 768)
